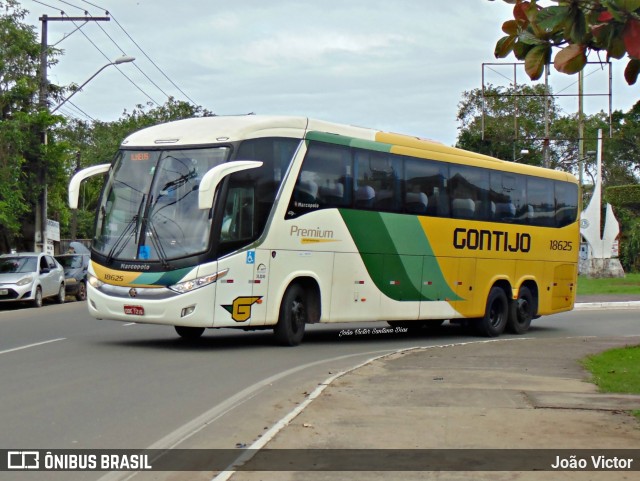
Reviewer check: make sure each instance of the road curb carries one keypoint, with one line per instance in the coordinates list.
(607, 305)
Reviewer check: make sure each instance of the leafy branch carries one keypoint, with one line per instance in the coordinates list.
(577, 28)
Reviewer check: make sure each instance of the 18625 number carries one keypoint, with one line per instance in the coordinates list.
(560, 245)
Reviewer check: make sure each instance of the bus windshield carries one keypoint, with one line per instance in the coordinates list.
(149, 208)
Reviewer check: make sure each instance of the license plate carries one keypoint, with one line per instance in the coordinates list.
(4, 292)
(134, 310)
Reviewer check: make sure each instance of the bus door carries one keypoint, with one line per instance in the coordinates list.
(238, 293)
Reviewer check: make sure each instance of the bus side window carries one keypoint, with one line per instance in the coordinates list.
(324, 180)
(425, 183)
(306, 189)
(541, 198)
(566, 195)
(237, 223)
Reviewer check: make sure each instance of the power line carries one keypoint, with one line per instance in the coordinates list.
(51, 7)
(78, 28)
(143, 52)
(68, 112)
(123, 74)
(118, 46)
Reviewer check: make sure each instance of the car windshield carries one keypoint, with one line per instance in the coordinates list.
(70, 262)
(17, 264)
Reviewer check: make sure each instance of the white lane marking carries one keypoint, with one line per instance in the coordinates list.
(33, 345)
(129, 324)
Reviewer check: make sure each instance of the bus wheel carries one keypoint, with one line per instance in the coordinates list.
(289, 330)
(495, 317)
(522, 311)
(189, 333)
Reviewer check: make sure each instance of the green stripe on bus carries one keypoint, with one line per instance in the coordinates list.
(398, 255)
(162, 278)
(348, 141)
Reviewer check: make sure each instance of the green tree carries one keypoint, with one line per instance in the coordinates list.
(22, 124)
(577, 28)
(513, 120)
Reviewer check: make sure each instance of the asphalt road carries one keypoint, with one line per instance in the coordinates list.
(72, 382)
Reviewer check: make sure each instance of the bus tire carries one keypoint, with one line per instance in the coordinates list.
(189, 333)
(292, 319)
(522, 311)
(495, 316)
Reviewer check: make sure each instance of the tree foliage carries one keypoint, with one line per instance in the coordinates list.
(576, 27)
(22, 126)
(514, 120)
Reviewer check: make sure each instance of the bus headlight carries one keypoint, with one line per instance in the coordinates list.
(193, 284)
(94, 281)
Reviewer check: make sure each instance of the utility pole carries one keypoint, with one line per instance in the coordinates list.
(546, 146)
(40, 236)
(581, 153)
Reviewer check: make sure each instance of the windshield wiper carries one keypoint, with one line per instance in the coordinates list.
(133, 224)
(155, 240)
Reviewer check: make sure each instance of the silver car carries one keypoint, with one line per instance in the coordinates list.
(30, 277)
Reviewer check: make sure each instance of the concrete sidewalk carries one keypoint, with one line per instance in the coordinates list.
(495, 394)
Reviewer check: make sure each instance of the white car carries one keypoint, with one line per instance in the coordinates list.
(30, 277)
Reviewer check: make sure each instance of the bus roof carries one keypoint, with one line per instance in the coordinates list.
(224, 129)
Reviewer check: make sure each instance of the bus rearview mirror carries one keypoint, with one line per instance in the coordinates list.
(213, 177)
(76, 180)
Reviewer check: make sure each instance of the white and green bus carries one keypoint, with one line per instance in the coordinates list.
(259, 222)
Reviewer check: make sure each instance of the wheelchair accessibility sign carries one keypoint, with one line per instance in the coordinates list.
(251, 257)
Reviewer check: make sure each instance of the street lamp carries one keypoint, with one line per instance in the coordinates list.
(40, 237)
(118, 61)
(523, 154)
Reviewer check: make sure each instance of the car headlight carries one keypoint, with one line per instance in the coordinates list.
(94, 281)
(25, 281)
(193, 284)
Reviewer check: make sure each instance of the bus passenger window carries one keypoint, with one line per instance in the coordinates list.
(428, 178)
(377, 182)
(416, 203)
(324, 181)
(238, 220)
(365, 196)
(306, 189)
(566, 203)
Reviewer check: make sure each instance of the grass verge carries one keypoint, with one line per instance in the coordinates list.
(627, 285)
(616, 371)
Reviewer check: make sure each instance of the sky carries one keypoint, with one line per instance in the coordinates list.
(398, 66)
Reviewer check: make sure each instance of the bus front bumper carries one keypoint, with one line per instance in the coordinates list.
(152, 305)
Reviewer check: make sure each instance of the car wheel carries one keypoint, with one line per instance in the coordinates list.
(37, 299)
(61, 295)
(81, 295)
